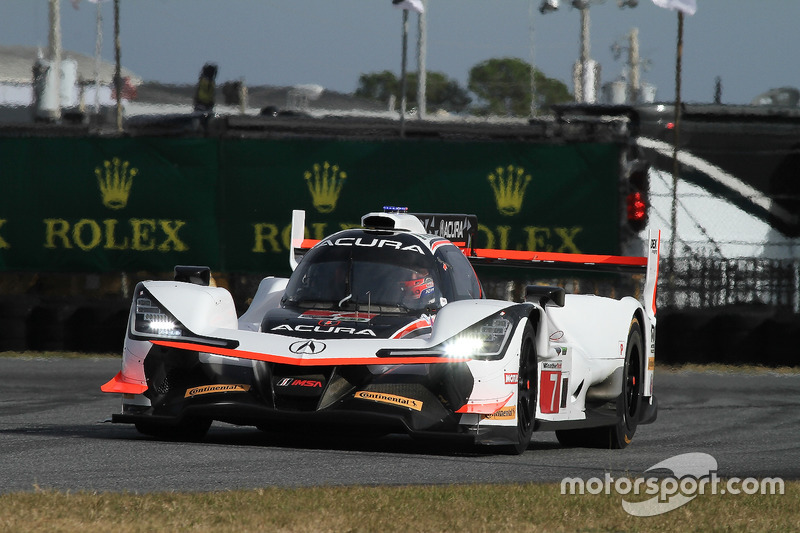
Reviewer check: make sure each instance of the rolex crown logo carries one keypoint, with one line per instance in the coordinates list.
(325, 184)
(509, 186)
(115, 180)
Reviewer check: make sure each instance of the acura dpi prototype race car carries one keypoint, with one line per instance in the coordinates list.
(386, 328)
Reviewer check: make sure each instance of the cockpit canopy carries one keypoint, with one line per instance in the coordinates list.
(382, 272)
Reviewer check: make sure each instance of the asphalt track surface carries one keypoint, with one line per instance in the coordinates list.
(54, 435)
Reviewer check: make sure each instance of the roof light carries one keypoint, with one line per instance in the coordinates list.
(394, 209)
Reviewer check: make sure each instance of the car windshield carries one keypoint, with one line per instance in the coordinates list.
(367, 278)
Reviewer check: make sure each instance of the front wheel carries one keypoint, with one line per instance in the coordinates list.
(526, 394)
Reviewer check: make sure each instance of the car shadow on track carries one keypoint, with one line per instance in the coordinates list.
(349, 441)
(228, 435)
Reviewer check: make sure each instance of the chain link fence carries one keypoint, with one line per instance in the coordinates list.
(705, 283)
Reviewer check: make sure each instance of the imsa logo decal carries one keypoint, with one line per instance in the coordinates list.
(391, 399)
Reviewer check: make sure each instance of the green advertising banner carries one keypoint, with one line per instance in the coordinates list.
(146, 204)
(93, 204)
(561, 198)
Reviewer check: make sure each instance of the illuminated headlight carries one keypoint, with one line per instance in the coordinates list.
(486, 339)
(152, 320)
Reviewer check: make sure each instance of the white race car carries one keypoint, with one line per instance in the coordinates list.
(386, 328)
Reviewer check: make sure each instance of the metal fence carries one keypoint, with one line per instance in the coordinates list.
(711, 283)
(694, 283)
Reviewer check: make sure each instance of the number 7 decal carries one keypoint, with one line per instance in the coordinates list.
(550, 391)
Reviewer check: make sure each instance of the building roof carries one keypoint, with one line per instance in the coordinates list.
(16, 65)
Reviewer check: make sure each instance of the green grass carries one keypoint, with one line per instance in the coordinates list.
(490, 508)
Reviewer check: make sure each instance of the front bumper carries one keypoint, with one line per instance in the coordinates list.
(415, 399)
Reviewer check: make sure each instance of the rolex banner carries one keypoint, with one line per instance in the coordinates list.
(90, 204)
(146, 204)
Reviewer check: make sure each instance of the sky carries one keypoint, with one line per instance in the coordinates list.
(751, 45)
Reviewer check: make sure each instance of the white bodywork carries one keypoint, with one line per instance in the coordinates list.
(580, 346)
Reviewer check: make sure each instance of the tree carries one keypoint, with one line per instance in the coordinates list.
(378, 86)
(442, 92)
(504, 87)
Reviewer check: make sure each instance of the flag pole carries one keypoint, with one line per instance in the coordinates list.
(676, 143)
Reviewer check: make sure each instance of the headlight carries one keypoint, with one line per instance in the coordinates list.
(152, 320)
(486, 339)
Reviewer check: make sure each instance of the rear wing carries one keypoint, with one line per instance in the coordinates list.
(461, 229)
(647, 265)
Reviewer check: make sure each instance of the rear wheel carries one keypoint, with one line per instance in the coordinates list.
(629, 403)
(526, 394)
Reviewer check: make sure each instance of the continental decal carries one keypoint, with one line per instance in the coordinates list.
(391, 399)
(213, 389)
(506, 413)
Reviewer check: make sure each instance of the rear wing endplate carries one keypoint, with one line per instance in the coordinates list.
(297, 249)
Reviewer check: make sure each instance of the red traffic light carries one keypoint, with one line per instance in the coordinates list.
(637, 211)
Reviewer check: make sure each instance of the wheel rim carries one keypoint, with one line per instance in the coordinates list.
(633, 384)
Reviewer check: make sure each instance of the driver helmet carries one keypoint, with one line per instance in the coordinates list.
(419, 287)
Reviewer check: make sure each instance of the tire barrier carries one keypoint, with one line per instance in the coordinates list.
(54, 324)
(96, 328)
(14, 312)
(746, 336)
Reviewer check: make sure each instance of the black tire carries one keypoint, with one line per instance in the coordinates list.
(526, 394)
(190, 430)
(629, 403)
